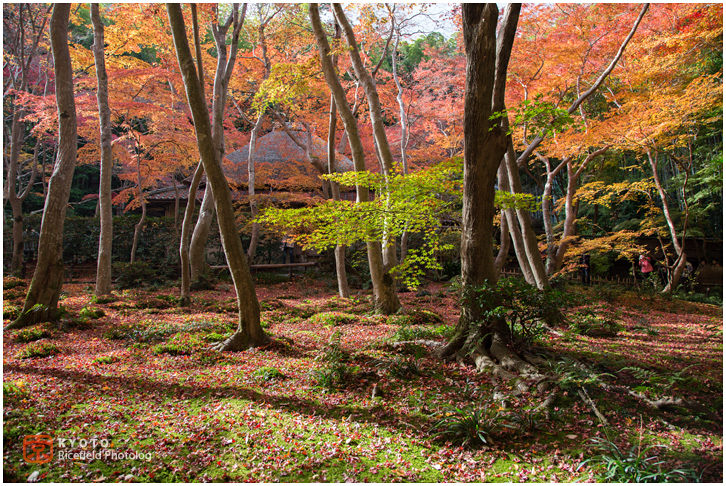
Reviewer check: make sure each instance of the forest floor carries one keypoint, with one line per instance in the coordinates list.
(132, 393)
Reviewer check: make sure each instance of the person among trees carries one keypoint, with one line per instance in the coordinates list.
(645, 266)
(288, 249)
(585, 268)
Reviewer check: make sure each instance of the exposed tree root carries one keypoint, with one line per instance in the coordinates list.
(586, 398)
(239, 341)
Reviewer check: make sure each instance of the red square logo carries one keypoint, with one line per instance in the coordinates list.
(38, 449)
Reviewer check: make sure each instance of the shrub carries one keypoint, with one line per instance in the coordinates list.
(12, 282)
(132, 275)
(403, 366)
(268, 373)
(334, 374)
(179, 344)
(587, 323)
(472, 425)
(267, 278)
(37, 350)
(215, 337)
(413, 333)
(102, 360)
(14, 390)
(30, 334)
(521, 305)
(155, 303)
(634, 465)
(91, 312)
(117, 333)
(11, 312)
(103, 299)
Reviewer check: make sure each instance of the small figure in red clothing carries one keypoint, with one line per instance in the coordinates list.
(645, 266)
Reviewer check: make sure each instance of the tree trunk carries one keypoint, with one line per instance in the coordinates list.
(512, 225)
(198, 244)
(385, 299)
(249, 333)
(529, 238)
(404, 136)
(255, 237)
(485, 143)
(17, 131)
(140, 224)
(680, 263)
(45, 287)
(185, 297)
(103, 269)
(505, 240)
(343, 289)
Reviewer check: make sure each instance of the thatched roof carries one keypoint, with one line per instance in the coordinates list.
(282, 164)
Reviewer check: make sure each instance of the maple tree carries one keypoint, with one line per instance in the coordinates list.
(485, 143)
(249, 333)
(41, 302)
(103, 272)
(25, 38)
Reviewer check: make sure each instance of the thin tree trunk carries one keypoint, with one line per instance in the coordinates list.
(343, 289)
(380, 276)
(385, 300)
(505, 240)
(529, 238)
(198, 244)
(680, 263)
(254, 211)
(17, 137)
(140, 224)
(404, 136)
(45, 287)
(185, 297)
(103, 269)
(249, 333)
(508, 215)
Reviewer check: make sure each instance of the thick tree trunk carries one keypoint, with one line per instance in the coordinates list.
(103, 269)
(249, 333)
(485, 143)
(385, 299)
(45, 287)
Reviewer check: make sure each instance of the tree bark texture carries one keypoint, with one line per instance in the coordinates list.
(15, 194)
(485, 143)
(45, 287)
(185, 297)
(249, 333)
(385, 299)
(103, 269)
